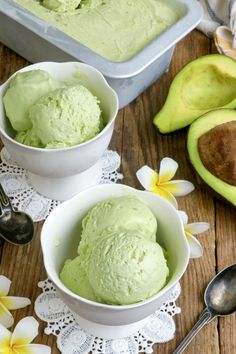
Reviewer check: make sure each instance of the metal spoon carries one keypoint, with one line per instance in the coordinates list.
(16, 227)
(220, 300)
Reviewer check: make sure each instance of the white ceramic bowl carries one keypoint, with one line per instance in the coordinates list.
(62, 228)
(62, 173)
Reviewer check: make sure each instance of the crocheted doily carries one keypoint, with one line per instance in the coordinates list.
(15, 182)
(72, 339)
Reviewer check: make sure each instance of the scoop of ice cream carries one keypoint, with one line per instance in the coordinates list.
(119, 258)
(67, 116)
(24, 90)
(28, 137)
(75, 279)
(123, 213)
(61, 5)
(126, 268)
(117, 214)
(91, 4)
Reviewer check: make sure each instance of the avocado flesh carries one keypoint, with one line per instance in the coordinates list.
(204, 84)
(198, 128)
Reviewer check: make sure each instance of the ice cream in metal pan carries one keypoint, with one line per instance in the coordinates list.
(143, 58)
(117, 30)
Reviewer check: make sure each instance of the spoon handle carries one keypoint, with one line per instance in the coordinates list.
(205, 317)
(4, 200)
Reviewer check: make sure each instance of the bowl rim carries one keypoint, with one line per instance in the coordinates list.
(76, 297)
(37, 66)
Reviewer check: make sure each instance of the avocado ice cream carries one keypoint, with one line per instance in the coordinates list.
(119, 261)
(123, 213)
(74, 275)
(117, 214)
(61, 5)
(28, 137)
(115, 29)
(69, 115)
(50, 114)
(25, 89)
(126, 267)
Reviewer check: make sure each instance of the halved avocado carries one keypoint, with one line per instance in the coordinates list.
(204, 84)
(211, 147)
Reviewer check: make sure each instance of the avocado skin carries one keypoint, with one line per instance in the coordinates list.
(205, 187)
(221, 189)
(205, 84)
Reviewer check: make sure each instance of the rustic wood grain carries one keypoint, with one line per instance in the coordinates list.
(226, 254)
(138, 143)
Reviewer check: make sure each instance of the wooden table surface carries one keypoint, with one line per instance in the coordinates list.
(138, 143)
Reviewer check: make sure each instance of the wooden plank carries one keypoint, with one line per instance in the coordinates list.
(24, 266)
(9, 63)
(226, 255)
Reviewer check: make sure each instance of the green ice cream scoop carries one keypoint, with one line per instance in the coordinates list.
(61, 5)
(25, 89)
(126, 268)
(119, 260)
(28, 137)
(117, 214)
(66, 117)
(75, 279)
(123, 213)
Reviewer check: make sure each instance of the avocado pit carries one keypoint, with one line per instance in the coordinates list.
(217, 150)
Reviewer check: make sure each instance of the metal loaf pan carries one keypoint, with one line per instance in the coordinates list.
(37, 40)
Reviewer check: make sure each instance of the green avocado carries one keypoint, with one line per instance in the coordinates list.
(211, 145)
(204, 84)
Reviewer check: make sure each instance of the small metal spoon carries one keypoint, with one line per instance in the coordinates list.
(220, 300)
(16, 227)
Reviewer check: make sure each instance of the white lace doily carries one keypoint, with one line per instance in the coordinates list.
(72, 339)
(16, 184)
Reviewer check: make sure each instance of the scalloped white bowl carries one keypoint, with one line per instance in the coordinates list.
(60, 237)
(62, 173)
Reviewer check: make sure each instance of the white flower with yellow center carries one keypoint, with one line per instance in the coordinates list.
(193, 229)
(161, 184)
(9, 302)
(19, 341)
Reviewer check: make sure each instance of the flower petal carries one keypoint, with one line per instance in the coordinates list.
(178, 187)
(197, 227)
(6, 318)
(33, 349)
(25, 331)
(14, 302)
(5, 284)
(5, 337)
(147, 177)
(183, 216)
(166, 195)
(168, 168)
(195, 247)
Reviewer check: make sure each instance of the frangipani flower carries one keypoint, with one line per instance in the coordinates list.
(19, 341)
(161, 184)
(9, 302)
(193, 229)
